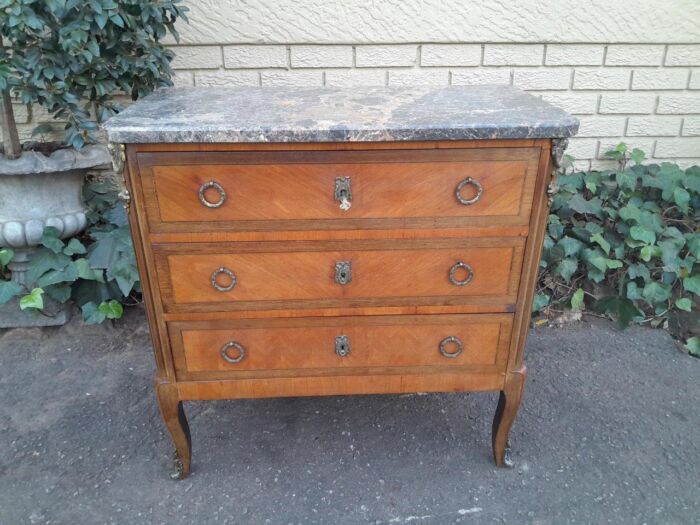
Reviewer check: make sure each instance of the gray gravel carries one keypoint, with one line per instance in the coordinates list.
(608, 433)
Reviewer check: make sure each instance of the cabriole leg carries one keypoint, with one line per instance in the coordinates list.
(176, 422)
(507, 409)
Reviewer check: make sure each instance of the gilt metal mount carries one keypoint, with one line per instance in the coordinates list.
(558, 148)
(118, 153)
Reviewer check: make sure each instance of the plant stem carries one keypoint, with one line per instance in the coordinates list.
(9, 128)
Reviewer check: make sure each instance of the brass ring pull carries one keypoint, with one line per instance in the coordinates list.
(227, 272)
(212, 184)
(477, 187)
(342, 345)
(454, 341)
(227, 356)
(459, 265)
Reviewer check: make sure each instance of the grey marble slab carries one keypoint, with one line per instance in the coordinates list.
(296, 114)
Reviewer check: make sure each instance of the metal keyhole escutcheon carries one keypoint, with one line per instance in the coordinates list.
(342, 345)
(343, 192)
(343, 272)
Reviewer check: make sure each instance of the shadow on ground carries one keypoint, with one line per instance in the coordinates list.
(608, 433)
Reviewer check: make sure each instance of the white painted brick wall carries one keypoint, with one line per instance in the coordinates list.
(654, 126)
(321, 56)
(634, 55)
(255, 56)
(386, 56)
(664, 78)
(450, 55)
(683, 55)
(574, 55)
(513, 54)
(691, 126)
(601, 78)
(629, 74)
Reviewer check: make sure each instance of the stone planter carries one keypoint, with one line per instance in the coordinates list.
(38, 191)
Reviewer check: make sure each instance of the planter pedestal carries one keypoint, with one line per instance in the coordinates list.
(37, 191)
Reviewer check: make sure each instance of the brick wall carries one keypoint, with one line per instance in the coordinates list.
(645, 95)
(629, 69)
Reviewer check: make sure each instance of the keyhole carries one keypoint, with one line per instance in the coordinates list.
(342, 275)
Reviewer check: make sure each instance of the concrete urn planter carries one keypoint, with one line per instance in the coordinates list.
(38, 191)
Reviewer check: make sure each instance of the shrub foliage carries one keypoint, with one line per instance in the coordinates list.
(72, 56)
(625, 242)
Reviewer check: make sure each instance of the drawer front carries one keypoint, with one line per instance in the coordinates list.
(339, 345)
(285, 272)
(283, 190)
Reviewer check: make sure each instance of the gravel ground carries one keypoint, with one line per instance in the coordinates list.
(608, 433)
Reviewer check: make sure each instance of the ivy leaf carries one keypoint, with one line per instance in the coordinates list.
(33, 300)
(44, 261)
(596, 258)
(626, 179)
(630, 213)
(640, 233)
(638, 270)
(613, 263)
(567, 268)
(693, 346)
(648, 252)
(59, 292)
(570, 246)
(598, 239)
(692, 284)
(50, 239)
(8, 290)
(683, 303)
(633, 291)
(91, 314)
(637, 156)
(681, 197)
(577, 300)
(74, 247)
(540, 301)
(6, 255)
(693, 241)
(623, 309)
(111, 309)
(67, 274)
(655, 292)
(86, 272)
(581, 205)
(691, 180)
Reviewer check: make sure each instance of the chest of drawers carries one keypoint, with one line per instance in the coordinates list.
(307, 242)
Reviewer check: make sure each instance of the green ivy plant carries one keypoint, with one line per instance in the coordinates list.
(626, 243)
(72, 56)
(97, 271)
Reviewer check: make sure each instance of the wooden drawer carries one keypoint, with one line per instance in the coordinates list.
(296, 190)
(277, 274)
(340, 345)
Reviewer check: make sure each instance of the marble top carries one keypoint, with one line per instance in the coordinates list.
(297, 114)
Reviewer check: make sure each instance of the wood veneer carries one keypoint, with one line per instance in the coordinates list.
(281, 232)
